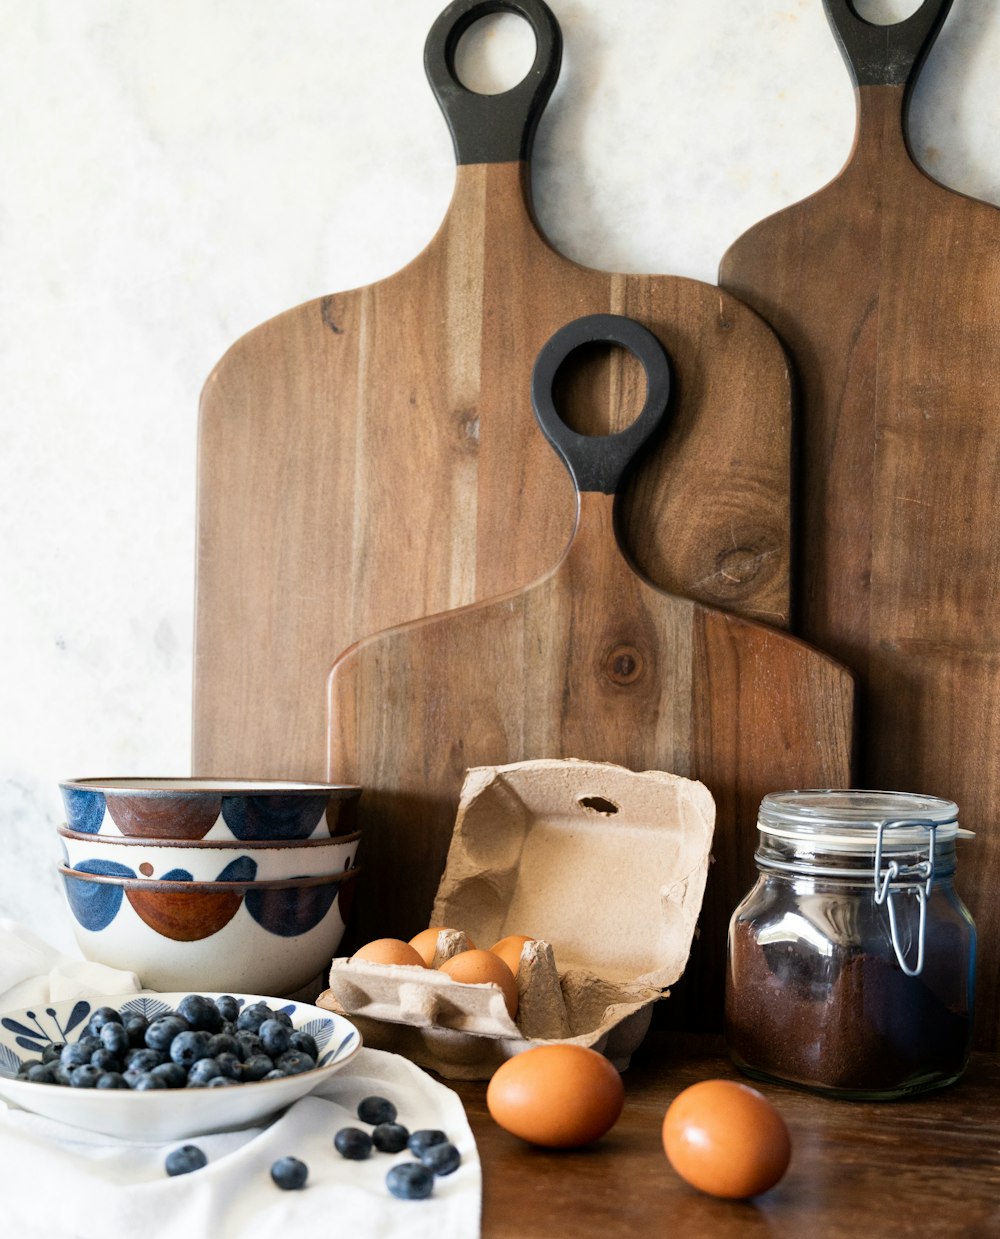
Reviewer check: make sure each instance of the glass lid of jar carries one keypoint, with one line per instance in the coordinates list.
(849, 818)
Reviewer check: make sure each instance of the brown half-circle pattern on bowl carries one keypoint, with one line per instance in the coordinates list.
(183, 914)
(170, 815)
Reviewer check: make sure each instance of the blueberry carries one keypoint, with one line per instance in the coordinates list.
(221, 1082)
(289, 1173)
(390, 1137)
(112, 1079)
(274, 1037)
(106, 1060)
(188, 1047)
(85, 1076)
(201, 1013)
(223, 1043)
(135, 1026)
(162, 1031)
(228, 1007)
(247, 1044)
(257, 1066)
(102, 1017)
(185, 1159)
(353, 1143)
(51, 1052)
(77, 1054)
(173, 1075)
(376, 1110)
(441, 1158)
(423, 1139)
(42, 1073)
(304, 1042)
(410, 1181)
(230, 1066)
(145, 1080)
(138, 1061)
(293, 1063)
(251, 1018)
(62, 1073)
(284, 1018)
(203, 1071)
(115, 1039)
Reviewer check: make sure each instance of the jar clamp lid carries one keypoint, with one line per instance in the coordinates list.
(906, 835)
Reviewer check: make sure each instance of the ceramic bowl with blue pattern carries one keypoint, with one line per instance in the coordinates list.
(233, 809)
(209, 860)
(271, 937)
(160, 1114)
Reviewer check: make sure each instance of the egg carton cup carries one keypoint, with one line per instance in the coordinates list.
(606, 867)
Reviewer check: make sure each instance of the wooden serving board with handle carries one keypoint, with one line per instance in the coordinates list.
(369, 457)
(593, 662)
(886, 287)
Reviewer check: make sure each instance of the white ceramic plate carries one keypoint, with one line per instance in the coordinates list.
(161, 1114)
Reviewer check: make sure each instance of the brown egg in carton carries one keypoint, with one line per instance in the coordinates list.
(604, 865)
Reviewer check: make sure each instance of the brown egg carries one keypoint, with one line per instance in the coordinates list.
(509, 950)
(726, 1139)
(483, 967)
(558, 1096)
(425, 942)
(388, 951)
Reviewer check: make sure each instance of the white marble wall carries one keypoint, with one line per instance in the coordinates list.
(172, 172)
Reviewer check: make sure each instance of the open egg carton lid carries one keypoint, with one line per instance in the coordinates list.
(603, 866)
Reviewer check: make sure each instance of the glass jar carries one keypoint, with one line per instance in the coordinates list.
(851, 961)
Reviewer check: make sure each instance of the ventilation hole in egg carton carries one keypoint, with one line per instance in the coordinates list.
(598, 804)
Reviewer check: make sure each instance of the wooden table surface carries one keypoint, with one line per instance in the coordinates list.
(924, 1166)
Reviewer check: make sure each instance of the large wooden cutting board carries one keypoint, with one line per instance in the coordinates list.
(591, 662)
(886, 287)
(371, 457)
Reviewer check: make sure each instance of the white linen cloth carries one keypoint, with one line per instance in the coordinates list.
(59, 1182)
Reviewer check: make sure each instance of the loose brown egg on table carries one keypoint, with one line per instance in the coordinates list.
(557, 1096)
(726, 1139)
(483, 967)
(509, 950)
(388, 951)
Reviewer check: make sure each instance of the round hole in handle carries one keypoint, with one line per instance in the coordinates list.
(885, 12)
(599, 388)
(598, 804)
(495, 53)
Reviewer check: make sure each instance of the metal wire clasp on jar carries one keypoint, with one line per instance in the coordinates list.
(852, 959)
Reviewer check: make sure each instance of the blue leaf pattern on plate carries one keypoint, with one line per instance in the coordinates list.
(320, 1030)
(78, 1014)
(14, 1027)
(9, 1061)
(35, 1047)
(149, 1007)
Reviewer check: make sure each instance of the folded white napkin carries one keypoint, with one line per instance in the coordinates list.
(59, 1182)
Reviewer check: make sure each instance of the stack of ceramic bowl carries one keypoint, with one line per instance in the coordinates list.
(210, 884)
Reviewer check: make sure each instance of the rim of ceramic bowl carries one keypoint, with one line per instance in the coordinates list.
(233, 844)
(149, 884)
(170, 785)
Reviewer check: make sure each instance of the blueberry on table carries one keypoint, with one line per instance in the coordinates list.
(410, 1181)
(390, 1137)
(424, 1138)
(289, 1173)
(353, 1143)
(185, 1159)
(376, 1110)
(441, 1158)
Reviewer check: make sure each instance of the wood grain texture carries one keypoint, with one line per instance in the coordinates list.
(590, 662)
(371, 457)
(927, 1167)
(886, 288)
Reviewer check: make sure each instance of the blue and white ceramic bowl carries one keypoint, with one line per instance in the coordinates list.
(270, 937)
(161, 1114)
(233, 809)
(207, 860)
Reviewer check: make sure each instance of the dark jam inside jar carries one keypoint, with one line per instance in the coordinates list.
(819, 989)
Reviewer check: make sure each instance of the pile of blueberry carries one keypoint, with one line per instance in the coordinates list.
(204, 1043)
(413, 1180)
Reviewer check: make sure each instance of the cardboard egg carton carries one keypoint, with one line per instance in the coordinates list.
(603, 867)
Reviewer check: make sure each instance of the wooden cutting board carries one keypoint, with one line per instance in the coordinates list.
(592, 662)
(886, 287)
(371, 457)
